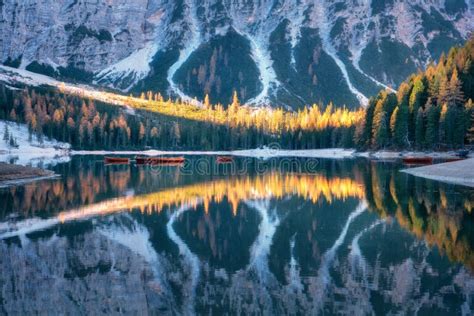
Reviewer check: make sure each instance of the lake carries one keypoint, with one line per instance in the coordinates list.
(278, 236)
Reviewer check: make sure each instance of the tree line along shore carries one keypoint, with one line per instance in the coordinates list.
(432, 110)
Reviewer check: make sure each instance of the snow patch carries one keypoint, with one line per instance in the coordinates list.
(324, 25)
(136, 66)
(256, 25)
(190, 45)
(359, 22)
(13, 75)
(30, 150)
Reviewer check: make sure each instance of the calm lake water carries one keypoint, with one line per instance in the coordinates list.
(274, 237)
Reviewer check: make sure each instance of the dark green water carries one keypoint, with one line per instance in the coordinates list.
(269, 237)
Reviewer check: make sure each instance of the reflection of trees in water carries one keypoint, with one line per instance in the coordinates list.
(437, 213)
(341, 277)
(79, 184)
(55, 194)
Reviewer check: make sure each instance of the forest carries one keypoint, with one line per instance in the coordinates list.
(87, 124)
(432, 110)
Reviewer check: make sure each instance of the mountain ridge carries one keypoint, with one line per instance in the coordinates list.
(272, 52)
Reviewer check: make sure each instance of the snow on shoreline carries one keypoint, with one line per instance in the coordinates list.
(30, 152)
(333, 153)
(384, 154)
(458, 172)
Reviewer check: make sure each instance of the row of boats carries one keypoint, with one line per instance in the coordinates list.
(165, 160)
(140, 160)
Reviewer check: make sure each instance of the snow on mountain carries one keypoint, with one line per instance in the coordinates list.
(323, 23)
(288, 52)
(134, 67)
(12, 75)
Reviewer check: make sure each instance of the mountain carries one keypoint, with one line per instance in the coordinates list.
(289, 52)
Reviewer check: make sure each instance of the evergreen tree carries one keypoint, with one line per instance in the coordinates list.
(399, 126)
(419, 129)
(450, 125)
(142, 134)
(418, 96)
(470, 133)
(393, 121)
(460, 126)
(366, 136)
(443, 94)
(417, 100)
(455, 94)
(207, 102)
(381, 130)
(6, 133)
(442, 124)
(432, 122)
(13, 142)
(381, 122)
(359, 140)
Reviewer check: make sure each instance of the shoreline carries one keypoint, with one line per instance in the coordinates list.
(334, 153)
(437, 172)
(457, 172)
(385, 154)
(12, 174)
(330, 153)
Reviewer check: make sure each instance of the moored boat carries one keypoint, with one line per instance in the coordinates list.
(159, 160)
(418, 160)
(116, 160)
(224, 159)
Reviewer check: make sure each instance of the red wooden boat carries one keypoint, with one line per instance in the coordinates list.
(117, 160)
(159, 160)
(418, 160)
(224, 159)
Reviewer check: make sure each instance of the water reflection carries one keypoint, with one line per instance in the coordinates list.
(439, 214)
(353, 238)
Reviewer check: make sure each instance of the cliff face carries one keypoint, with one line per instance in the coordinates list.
(292, 52)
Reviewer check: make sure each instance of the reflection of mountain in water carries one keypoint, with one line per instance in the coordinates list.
(89, 274)
(278, 243)
(115, 263)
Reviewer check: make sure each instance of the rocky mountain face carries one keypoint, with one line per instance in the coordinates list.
(287, 52)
